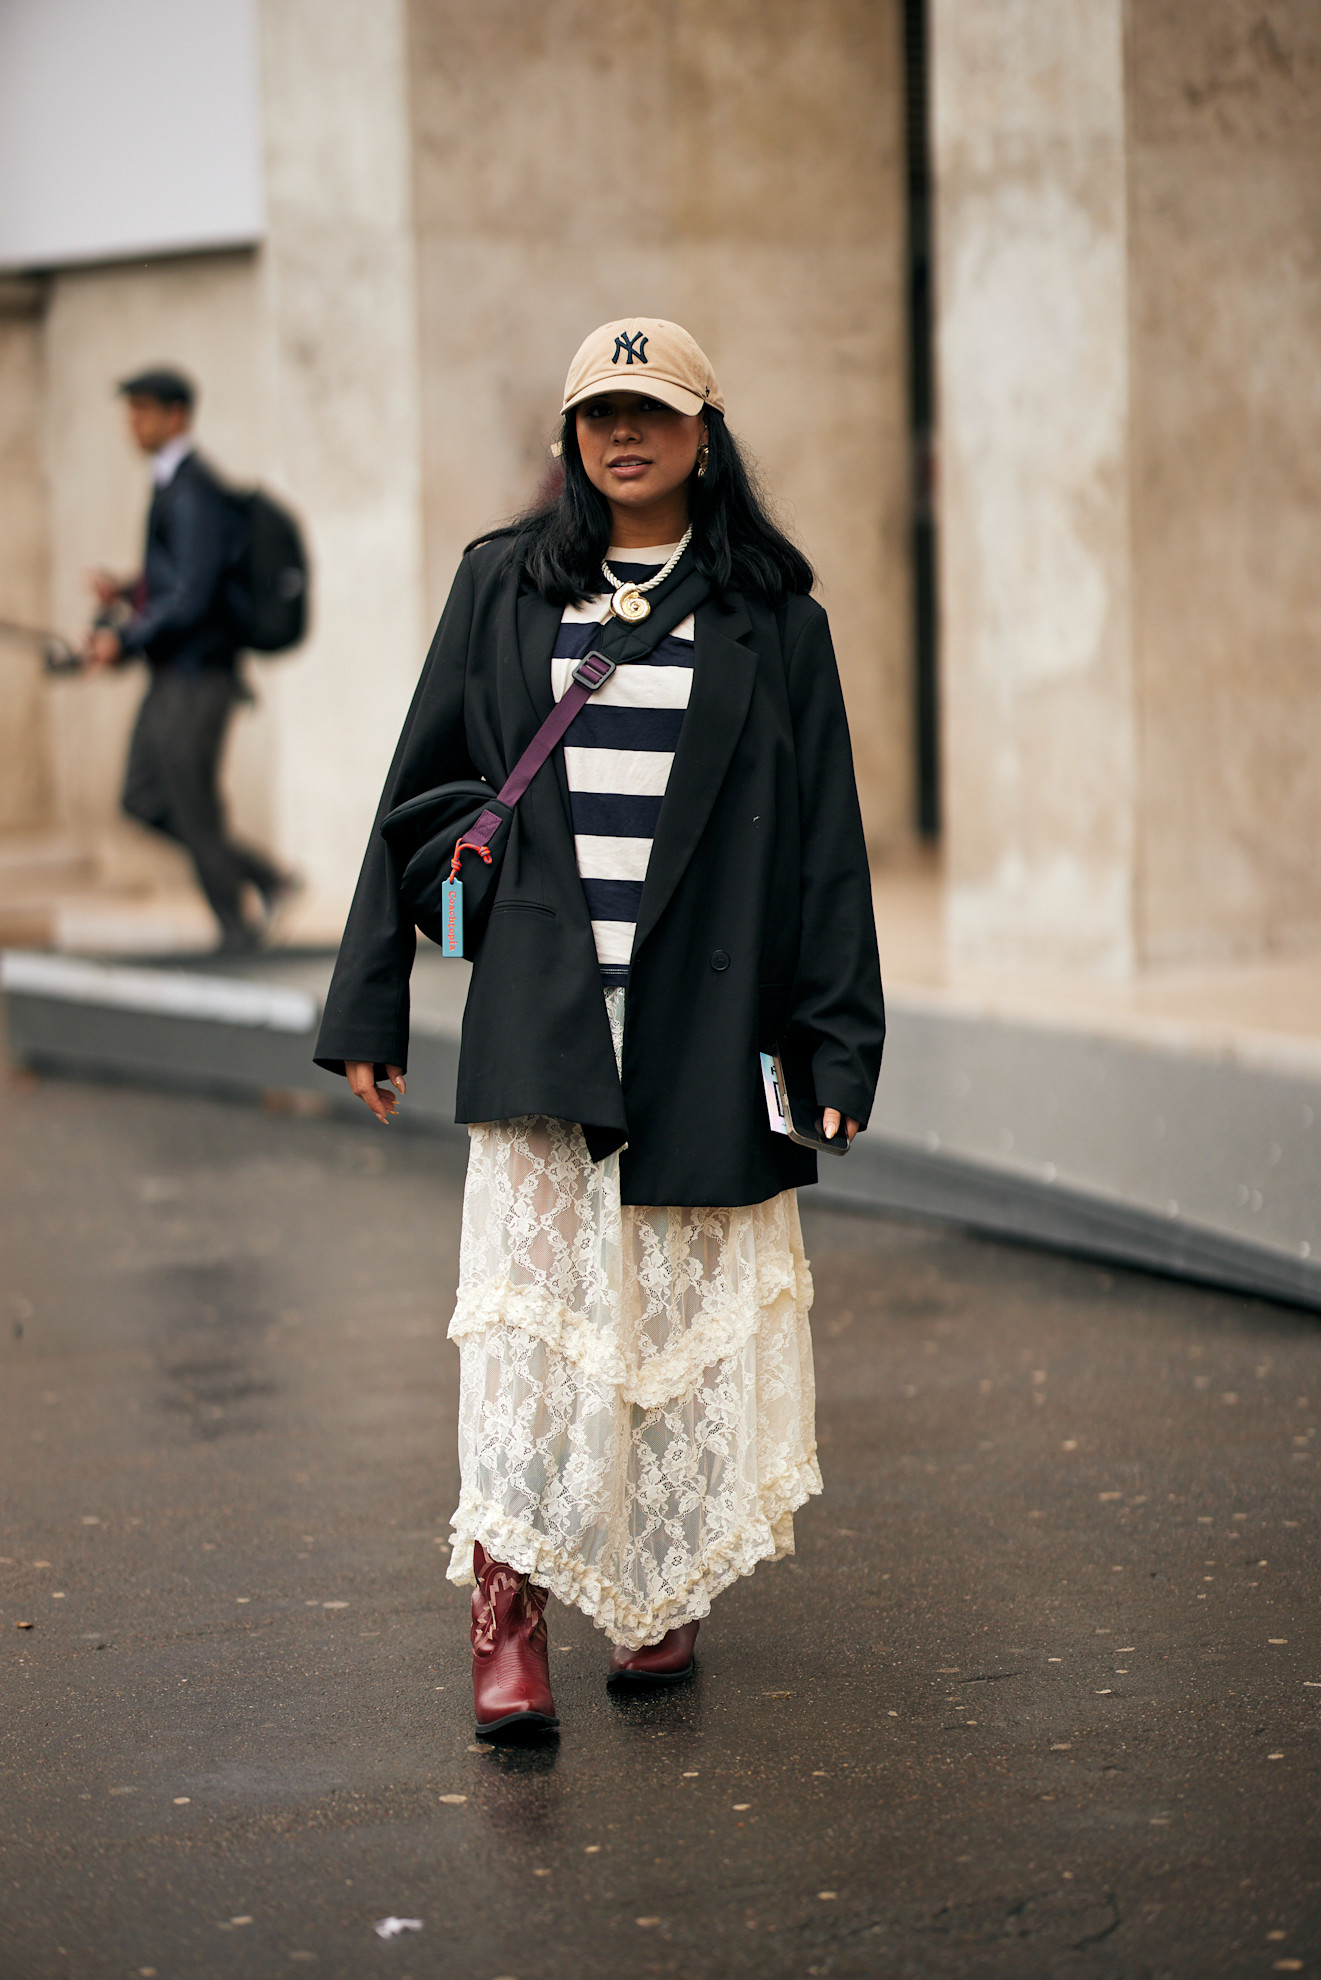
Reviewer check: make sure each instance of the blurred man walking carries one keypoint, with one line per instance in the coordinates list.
(176, 617)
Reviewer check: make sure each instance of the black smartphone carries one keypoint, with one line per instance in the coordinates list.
(791, 1105)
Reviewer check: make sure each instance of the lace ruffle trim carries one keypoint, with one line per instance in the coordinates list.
(767, 1536)
(648, 1383)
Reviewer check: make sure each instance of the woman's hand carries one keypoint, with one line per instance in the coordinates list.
(830, 1119)
(361, 1075)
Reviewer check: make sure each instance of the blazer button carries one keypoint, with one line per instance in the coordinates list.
(719, 960)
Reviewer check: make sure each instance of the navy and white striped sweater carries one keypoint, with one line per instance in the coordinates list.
(617, 753)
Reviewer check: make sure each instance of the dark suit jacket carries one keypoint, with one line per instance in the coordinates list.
(756, 915)
(194, 536)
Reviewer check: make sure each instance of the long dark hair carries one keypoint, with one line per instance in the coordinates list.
(559, 542)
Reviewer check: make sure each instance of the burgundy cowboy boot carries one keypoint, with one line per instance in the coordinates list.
(666, 1662)
(510, 1664)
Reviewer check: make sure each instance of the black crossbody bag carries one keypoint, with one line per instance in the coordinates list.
(448, 843)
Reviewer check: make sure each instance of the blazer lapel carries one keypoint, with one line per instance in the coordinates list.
(537, 624)
(723, 676)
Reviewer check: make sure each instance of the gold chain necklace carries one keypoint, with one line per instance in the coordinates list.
(627, 602)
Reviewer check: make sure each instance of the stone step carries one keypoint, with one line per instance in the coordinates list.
(41, 863)
(103, 921)
(100, 922)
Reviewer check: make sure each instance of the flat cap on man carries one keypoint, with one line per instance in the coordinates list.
(170, 388)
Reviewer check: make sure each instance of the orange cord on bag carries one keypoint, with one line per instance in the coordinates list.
(467, 845)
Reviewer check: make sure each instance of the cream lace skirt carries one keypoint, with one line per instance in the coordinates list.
(636, 1403)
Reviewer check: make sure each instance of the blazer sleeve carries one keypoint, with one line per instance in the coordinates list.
(201, 531)
(366, 1012)
(836, 1002)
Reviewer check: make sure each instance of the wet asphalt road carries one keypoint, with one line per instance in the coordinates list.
(1038, 1696)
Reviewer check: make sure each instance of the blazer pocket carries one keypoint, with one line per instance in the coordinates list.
(523, 907)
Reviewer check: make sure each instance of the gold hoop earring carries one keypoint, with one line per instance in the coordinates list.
(703, 456)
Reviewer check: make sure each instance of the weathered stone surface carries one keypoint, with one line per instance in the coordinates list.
(1131, 306)
(739, 168)
(1225, 294)
(1038, 692)
(341, 344)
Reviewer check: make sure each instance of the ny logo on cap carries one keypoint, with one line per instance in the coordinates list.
(636, 346)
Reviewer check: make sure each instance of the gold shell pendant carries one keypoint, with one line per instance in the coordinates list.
(629, 604)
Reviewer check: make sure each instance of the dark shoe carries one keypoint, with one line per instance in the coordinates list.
(666, 1662)
(510, 1662)
(276, 894)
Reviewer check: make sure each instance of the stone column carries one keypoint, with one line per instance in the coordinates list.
(1039, 711)
(341, 317)
(1225, 327)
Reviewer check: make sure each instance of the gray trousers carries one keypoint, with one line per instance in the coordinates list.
(170, 783)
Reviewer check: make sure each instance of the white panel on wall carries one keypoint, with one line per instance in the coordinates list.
(127, 127)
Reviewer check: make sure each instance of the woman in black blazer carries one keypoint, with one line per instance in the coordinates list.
(636, 1404)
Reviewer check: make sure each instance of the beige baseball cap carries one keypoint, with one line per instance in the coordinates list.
(644, 354)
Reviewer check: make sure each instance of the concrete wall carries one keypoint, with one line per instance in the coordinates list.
(25, 780)
(735, 165)
(1225, 288)
(1038, 698)
(1129, 236)
(201, 312)
(1130, 312)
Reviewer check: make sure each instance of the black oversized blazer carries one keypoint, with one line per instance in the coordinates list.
(755, 919)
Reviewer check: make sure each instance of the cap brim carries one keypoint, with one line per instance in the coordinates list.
(677, 396)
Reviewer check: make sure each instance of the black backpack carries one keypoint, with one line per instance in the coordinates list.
(267, 592)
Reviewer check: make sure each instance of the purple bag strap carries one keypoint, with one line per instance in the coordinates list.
(591, 672)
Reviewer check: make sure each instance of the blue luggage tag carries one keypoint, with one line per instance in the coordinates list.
(774, 1109)
(451, 909)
